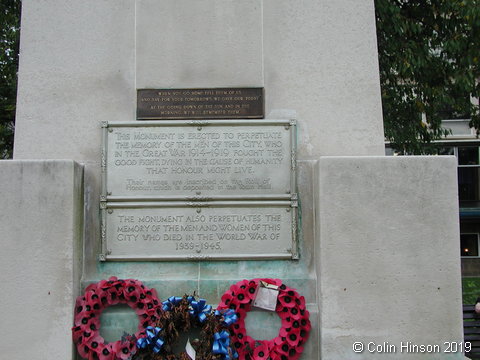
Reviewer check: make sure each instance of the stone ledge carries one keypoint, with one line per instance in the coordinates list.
(41, 218)
(388, 260)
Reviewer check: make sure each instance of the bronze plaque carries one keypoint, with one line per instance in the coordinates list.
(177, 159)
(184, 231)
(219, 103)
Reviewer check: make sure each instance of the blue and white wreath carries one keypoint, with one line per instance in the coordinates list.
(179, 315)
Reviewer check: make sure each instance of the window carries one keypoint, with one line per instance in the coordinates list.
(460, 128)
(468, 158)
(468, 173)
(469, 245)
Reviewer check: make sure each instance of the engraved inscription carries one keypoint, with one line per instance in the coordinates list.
(213, 231)
(221, 103)
(187, 161)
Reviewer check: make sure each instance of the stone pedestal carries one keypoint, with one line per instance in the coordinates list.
(388, 256)
(41, 221)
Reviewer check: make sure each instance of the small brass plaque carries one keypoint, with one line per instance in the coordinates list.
(217, 103)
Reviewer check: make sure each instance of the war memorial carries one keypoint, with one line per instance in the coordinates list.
(188, 145)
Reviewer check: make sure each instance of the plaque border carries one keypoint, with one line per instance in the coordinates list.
(288, 124)
(289, 200)
(163, 118)
(289, 206)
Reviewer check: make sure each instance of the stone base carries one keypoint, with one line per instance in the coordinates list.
(386, 268)
(41, 226)
(384, 256)
(388, 259)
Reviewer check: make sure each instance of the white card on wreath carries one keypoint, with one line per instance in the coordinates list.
(190, 350)
(266, 296)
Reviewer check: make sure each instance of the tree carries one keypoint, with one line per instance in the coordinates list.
(429, 54)
(9, 42)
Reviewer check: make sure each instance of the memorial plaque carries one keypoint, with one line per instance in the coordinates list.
(218, 103)
(217, 230)
(184, 160)
(190, 189)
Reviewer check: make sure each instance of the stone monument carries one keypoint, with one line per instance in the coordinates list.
(371, 242)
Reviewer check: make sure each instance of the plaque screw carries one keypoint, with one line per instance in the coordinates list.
(198, 192)
(199, 211)
(110, 211)
(109, 193)
(199, 128)
(288, 210)
(287, 127)
(288, 191)
(110, 130)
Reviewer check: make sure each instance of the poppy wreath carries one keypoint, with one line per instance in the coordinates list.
(97, 297)
(293, 334)
(179, 315)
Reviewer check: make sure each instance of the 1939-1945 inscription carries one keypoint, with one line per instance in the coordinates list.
(218, 103)
(217, 231)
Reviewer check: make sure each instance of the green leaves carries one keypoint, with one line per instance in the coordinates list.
(9, 48)
(429, 66)
(471, 290)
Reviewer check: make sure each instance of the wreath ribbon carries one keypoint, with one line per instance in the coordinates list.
(221, 343)
(199, 308)
(152, 340)
(229, 316)
(169, 304)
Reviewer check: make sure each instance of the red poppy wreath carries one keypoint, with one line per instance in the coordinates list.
(288, 345)
(98, 296)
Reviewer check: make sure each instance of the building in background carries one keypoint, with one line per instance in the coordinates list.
(464, 144)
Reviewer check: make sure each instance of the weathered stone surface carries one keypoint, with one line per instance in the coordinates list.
(210, 43)
(41, 259)
(316, 57)
(320, 59)
(388, 255)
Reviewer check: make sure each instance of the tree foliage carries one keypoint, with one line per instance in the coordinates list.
(429, 54)
(9, 42)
